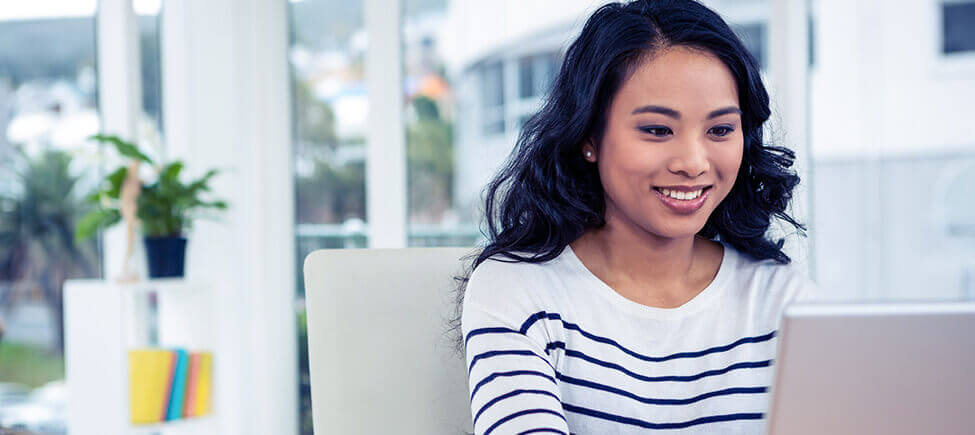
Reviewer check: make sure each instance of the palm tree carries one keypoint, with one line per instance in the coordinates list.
(37, 245)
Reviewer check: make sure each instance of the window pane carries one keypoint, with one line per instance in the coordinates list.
(492, 75)
(492, 96)
(526, 82)
(535, 73)
(754, 36)
(47, 109)
(959, 27)
(147, 16)
(546, 66)
(327, 55)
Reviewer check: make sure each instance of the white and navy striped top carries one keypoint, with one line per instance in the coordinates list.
(553, 349)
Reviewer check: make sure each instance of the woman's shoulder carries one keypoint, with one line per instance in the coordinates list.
(504, 282)
(789, 282)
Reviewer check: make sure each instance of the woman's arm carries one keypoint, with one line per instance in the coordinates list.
(511, 378)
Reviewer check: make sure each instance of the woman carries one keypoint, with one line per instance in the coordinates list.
(628, 283)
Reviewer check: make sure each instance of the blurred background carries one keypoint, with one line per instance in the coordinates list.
(876, 97)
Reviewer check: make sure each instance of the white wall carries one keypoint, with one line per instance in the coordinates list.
(890, 121)
(881, 86)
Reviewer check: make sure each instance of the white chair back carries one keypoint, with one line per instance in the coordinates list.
(380, 358)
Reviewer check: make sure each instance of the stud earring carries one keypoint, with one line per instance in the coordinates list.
(588, 154)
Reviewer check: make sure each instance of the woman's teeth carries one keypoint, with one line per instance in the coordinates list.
(683, 196)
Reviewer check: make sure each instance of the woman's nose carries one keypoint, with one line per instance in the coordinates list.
(690, 159)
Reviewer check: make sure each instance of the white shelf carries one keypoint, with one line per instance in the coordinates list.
(103, 321)
(163, 284)
(195, 425)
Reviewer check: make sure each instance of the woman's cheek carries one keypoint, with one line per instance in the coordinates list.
(728, 158)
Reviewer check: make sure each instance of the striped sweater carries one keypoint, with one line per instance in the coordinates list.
(552, 349)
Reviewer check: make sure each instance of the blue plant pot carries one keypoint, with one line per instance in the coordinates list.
(166, 256)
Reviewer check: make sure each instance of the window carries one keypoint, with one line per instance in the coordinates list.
(535, 74)
(327, 56)
(526, 76)
(471, 96)
(48, 106)
(148, 21)
(958, 216)
(958, 31)
(754, 36)
(492, 97)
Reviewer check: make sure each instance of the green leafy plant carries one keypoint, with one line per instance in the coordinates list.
(166, 207)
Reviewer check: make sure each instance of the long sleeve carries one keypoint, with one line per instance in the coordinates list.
(511, 378)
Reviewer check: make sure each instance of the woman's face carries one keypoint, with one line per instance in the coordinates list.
(672, 145)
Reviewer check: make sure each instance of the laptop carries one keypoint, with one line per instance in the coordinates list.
(871, 369)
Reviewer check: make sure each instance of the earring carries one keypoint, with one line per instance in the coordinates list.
(588, 154)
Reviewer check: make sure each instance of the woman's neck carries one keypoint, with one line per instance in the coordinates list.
(646, 267)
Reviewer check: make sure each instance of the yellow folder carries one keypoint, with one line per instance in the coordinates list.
(149, 371)
(204, 385)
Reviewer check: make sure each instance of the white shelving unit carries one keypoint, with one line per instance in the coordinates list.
(103, 321)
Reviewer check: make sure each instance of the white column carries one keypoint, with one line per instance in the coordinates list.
(265, 197)
(226, 104)
(119, 81)
(386, 138)
(119, 101)
(789, 68)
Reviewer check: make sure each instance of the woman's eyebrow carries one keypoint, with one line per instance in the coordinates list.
(676, 115)
(657, 109)
(724, 111)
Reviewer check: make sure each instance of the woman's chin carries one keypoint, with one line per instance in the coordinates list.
(676, 231)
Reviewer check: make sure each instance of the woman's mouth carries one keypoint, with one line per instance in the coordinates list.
(683, 199)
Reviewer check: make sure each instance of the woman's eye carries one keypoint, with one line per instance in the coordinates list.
(721, 131)
(657, 130)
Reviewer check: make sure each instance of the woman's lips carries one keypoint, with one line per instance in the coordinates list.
(683, 206)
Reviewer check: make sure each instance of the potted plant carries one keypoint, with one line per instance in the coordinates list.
(163, 209)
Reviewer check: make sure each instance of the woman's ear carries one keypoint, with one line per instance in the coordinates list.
(589, 151)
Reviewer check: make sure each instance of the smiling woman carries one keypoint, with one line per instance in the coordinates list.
(686, 145)
(628, 282)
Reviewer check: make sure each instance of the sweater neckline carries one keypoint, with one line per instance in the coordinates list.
(699, 301)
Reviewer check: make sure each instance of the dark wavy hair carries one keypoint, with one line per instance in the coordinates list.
(547, 194)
